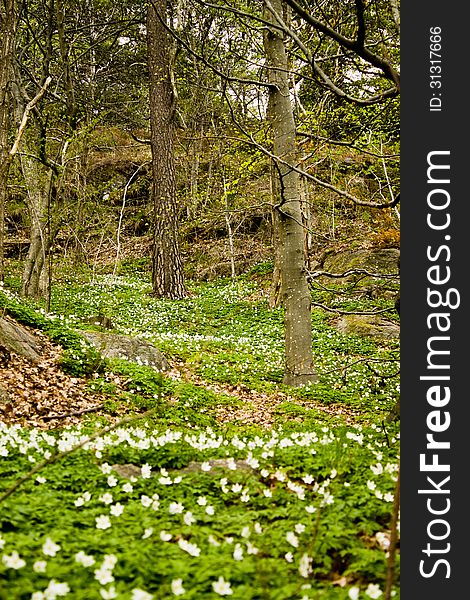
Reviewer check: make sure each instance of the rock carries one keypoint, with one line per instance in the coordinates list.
(368, 325)
(134, 349)
(16, 338)
(378, 260)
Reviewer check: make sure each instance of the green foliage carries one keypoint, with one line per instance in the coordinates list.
(79, 357)
(289, 510)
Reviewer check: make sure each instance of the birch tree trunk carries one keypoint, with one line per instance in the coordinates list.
(295, 292)
(167, 268)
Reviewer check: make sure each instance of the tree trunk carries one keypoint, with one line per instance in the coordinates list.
(167, 268)
(38, 181)
(295, 292)
(8, 29)
(35, 282)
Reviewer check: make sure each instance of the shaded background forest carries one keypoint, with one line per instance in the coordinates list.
(81, 177)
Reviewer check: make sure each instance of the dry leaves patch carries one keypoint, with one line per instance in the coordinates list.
(42, 395)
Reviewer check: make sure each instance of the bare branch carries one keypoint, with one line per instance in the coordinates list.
(29, 107)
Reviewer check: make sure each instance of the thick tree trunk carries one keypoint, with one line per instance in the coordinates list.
(295, 292)
(167, 268)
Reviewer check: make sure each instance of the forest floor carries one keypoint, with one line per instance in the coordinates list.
(42, 395)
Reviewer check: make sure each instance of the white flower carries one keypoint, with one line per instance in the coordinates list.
(140, 595)
(289, 557)
(13, 561)
(211, 539)
(104, 575)
(49, 548)
(127, 487)
(2, 542)
(310, 509)
(245, 532)
(237, 487)
(145, 471)
(84, 559)
(175, 508)
(251, 549)
(188, 518)
(40, 479)
(388, 497)
(305, 565)
(116, 510)
(353, 593)
(308, 479)
(377, 469)
(205, 466)
(40, 566)
(371, 485)
(333, 473)
(177, 587)
(257, 527)
(147, 533)
(112, 481)
(87, 496)
(383, 539)
(292, 539)
(105, 469)
(79, 501)
(202, 501)
(102, 522)
(299, 528)
(191, 549)
(245, 497)
(222, 587)
(238, 552)
(106, 498)
(373, 591)
(165, 480)
(109, 561)
(56, 588)
(37, 596)
(165, 536)
(145, 501)
(108, 594)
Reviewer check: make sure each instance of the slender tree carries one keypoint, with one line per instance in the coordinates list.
(8, 23)
(167, 268)
(295, 293)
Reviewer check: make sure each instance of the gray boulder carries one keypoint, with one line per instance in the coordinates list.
(134, 349)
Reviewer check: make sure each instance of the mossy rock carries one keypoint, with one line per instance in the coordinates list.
(368, 325)
(378, 260)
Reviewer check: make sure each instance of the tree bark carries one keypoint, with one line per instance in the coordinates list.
(167, 268)
(7, 44)
(295, 292)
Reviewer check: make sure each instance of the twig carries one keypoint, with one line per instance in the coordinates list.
(74, 413)
(352, 312)
(29, 107)
(393, 541)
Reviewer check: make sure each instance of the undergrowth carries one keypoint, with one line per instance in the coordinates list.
(179, 504)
